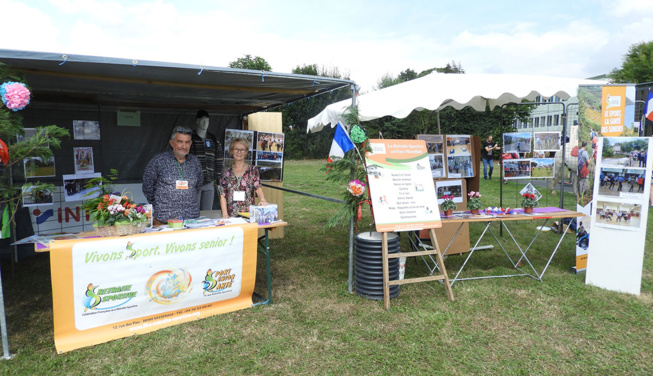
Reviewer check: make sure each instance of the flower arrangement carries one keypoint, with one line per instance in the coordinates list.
(15, 95)
(474, 201)
(116, 209)
(112, 208)
(528, 200)
(447, 203)
(356, 188)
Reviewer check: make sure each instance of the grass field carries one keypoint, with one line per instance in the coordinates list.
(513, 326)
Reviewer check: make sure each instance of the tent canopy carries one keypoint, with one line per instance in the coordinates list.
(132, 84)
(439, 90)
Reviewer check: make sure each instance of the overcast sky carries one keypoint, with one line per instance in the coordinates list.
(366, 39)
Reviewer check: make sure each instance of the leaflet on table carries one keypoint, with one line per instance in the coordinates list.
(46, 238)
(401, 186)
(199, 222)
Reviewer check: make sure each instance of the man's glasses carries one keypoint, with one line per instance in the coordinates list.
(183, 130)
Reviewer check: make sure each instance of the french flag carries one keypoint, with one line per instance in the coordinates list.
(341, 144)
(648, 111)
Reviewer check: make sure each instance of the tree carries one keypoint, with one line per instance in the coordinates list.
(253, 63)
(37, 146)
(298, 143)
(637, 66)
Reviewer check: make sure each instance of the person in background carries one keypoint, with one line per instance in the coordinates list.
(486, 156)
(240, 182)
(172, 180)
(209, 151)
(583, 158)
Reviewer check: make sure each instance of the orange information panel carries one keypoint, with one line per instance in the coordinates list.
(110, 288)
(613, 111)
(401, 186)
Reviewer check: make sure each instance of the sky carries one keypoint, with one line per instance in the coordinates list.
(364, 39)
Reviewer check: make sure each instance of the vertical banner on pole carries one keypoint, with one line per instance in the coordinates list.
(607, 111)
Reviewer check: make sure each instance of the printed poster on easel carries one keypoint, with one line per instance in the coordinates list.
(401, 186)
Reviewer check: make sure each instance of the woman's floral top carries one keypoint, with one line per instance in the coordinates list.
(249, 182)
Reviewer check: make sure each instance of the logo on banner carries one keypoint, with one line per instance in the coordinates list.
(169, 286)
(95, 296)
(218, 281)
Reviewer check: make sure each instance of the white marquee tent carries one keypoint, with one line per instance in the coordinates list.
(439, 90)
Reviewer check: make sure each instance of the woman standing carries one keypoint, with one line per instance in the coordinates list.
(239, 182)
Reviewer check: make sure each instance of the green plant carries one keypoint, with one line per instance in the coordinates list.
(474, 201)
(448, 203)
(350, 168)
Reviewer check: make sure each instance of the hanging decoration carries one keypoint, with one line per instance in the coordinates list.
(15, 95)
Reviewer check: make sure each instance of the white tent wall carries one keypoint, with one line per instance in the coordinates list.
(439, 90)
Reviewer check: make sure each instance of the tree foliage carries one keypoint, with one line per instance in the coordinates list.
(298, 143)
(253, 63)
(637, 66)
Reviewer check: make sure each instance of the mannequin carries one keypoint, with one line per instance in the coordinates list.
(210, 153)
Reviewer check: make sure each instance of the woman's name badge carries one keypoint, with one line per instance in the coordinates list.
(239, 196)
(182, 184)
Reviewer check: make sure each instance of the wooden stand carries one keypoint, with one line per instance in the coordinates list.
(438, 256)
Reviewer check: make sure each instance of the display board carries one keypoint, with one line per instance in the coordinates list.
(110, 288)
(616, 256)
(401, 186)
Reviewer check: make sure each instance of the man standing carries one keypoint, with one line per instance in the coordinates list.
(210, 153)
(172, 180)
(486, 156)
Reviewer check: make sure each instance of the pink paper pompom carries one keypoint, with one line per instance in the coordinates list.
(15, 95)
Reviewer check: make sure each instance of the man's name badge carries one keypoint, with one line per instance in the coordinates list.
(207, 143)
(182, 184)
(239, 196)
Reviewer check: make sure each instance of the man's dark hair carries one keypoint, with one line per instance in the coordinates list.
(584, 144)
(201, 114)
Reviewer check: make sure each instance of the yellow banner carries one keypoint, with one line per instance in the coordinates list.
(613, 110)
(109, 288)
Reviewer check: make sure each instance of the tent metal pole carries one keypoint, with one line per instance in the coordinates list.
(351, 220)
(437, 113)
(562, 167)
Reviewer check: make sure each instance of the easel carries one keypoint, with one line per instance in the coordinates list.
(386, 275)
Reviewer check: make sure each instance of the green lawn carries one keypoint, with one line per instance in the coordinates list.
(512, 326)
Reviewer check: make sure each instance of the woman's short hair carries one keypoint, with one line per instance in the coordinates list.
(238, 139)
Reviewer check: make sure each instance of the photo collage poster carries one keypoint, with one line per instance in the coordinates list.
(265, 152)
(459, 156)
(619, 182)
(269, 155)
(539, 166)
(435, 149)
